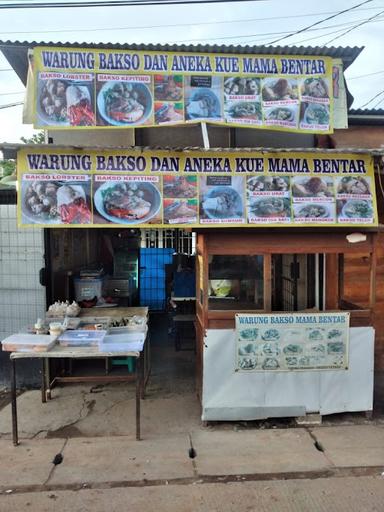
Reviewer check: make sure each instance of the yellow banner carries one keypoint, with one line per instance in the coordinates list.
(83, 87)
(81, 188)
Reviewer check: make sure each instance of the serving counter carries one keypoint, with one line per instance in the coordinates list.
(284, 323)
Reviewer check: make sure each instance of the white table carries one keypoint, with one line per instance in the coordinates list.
(76, 353)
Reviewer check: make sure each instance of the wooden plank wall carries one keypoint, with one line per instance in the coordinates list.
(356, 289)
(379, 309)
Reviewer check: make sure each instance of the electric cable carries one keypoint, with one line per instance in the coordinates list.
(364, 76)
(327, 34)
(353, 28)
(374, 97)
(199, 23)
(305, 29)
(114, 3)
(262, 35)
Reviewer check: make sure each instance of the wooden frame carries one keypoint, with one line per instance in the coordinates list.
(334, 245)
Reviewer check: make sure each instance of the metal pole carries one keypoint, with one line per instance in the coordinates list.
(138, 396)
(14, 405)
(43, 380)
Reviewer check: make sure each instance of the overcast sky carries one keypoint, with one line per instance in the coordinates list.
(252, 23)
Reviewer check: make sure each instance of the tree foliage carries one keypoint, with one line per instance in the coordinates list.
(8, 166)
(37, 138)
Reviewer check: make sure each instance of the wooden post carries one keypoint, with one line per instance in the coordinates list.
(267, 282)
(332, 281)
(372, 278)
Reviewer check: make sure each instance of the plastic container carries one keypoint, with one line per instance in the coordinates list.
(128, 329)
(55, 329)
(28, 342)
(86, 289)
(127, 342)
(81, 338)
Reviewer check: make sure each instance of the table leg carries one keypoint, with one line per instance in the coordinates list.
(138, 396)
(48, 379)
(15, 437)
(43, 380)
(142, 375)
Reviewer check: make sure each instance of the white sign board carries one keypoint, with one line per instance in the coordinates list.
(291, 341)
(230, 395)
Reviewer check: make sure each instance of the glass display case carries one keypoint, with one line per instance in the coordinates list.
(239, 272)
(235, 282)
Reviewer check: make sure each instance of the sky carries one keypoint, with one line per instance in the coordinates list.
(229, 23)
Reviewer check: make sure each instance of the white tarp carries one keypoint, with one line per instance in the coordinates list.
(231, 395)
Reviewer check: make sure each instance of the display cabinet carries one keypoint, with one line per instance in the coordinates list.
(276, 270)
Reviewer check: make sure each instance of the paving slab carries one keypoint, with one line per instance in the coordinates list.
(123, 459)
(256, 451)
(355, 445)
(363, 494)
(30, 463)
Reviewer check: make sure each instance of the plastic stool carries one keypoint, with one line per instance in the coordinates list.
(129, 361)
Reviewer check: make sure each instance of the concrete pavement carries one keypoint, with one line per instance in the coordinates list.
(365, 494)
(219, 456)
(261, 470)
(233, 466)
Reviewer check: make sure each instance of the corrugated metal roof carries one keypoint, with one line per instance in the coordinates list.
(366, 112)
(10, 149)
(366, 117)
(16, 51)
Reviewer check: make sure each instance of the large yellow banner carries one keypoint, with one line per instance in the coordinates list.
(84, 87)
(82, 188)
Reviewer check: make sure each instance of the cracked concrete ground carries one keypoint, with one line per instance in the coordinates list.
(180, 465)
(109, 409)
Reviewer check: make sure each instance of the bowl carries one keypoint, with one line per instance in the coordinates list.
(313, 210)
(216, 200)
(220, 287)
(203, 103)
(281, 114)
(60, 116)
(151, 194)
(316, 114)
(28, 216)
(144, 97)
(357, 209)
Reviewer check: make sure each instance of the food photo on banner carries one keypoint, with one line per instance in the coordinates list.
(298, 341)
(203, 98)
(268, 199)
(119, 199)
(65, 99)
(123, 88)
(194, 188)
(169, 99)
(54, 199)
(242, 104)
(313, 199)
(124, 100)
(222, 200)
(180, 203)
